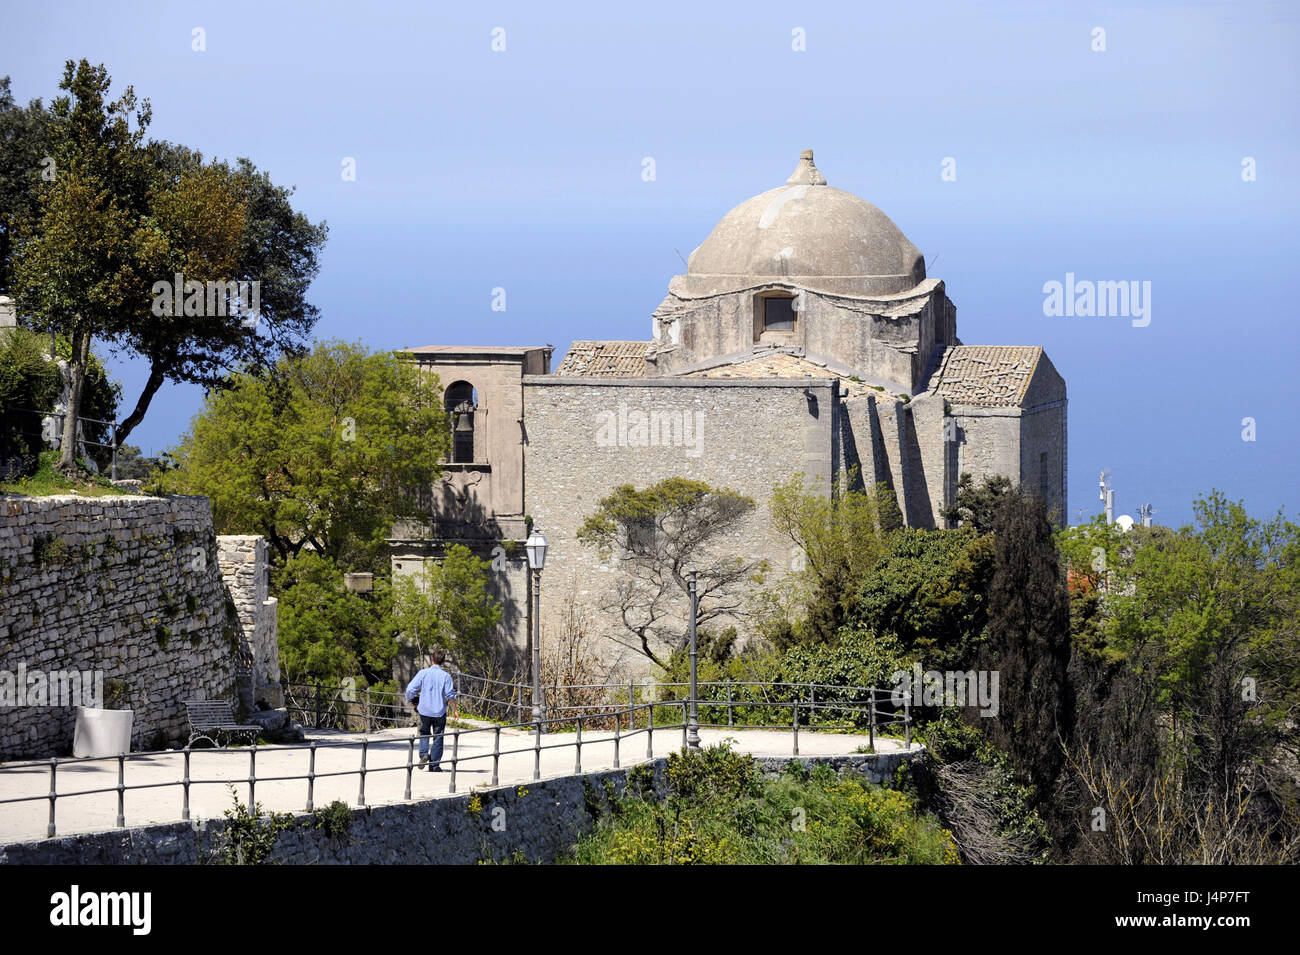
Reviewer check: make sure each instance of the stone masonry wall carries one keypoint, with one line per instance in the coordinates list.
(245, 567)
(126, 585)
(753, 435)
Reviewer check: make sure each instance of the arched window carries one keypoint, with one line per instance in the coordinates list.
(461, 403)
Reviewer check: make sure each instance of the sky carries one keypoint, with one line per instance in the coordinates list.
(1155, 142)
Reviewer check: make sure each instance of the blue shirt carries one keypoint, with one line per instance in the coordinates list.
(435, 688)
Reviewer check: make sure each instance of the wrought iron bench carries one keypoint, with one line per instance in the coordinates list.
(214, 720)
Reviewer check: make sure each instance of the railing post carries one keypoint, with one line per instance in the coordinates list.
(650, 732)
(907, 720)
(729, 701)
(496, 753)
(185, 787)
(686, 717)
(873, 719)
(537, 749)
(367, 709)
(311, 777)
(796, 729)
(54, 769)
(577, 763)
(121, 790)
(252, 775)
(361, 796)
(317, 723)
(692, 721)
(631, 706)
(455, 755)
(410, 765)
(617, 724)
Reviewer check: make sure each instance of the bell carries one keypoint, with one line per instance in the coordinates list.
(464, 420)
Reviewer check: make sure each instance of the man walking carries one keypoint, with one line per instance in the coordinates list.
(430, 692)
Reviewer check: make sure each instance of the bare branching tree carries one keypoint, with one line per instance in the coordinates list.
(655, 537)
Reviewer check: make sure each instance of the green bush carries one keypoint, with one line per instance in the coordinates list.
(720, 810)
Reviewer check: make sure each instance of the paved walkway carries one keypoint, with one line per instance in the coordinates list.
(340, 753)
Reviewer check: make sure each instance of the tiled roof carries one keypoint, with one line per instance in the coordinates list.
(988, 375)
(590, 359)
(778, 364)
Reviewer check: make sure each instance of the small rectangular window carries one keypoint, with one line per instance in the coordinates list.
(778, 314)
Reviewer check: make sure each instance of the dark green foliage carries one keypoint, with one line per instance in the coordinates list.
(720, 810)
(27, 380)
(1028, 642)
(328, 633)
(335, 820)
(248, 836)
(976, 505)
(929, 591)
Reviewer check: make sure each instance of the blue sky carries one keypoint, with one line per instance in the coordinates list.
(522, 169)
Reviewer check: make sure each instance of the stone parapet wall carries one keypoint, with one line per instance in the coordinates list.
(127, 587)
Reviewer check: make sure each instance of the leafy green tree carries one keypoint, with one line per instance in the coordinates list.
(976, 505)
(657, 535)
(324, 453)
(327, 633)
(110, 215)
(449, 604)
(27, 380)
(23, 150)
(77, 267)
(930, 591)
(838, 539)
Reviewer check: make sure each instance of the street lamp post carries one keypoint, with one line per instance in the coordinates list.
(693, 720)
(535, 547)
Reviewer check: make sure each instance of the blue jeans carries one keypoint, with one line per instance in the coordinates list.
(437, 724)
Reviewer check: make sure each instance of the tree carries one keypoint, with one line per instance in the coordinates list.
(23, 161)
(1028, 642)
(28, 380)
(448, 604)
(327, 633)
(77, 268)
(839, 538)
(214, 223)
(323, 453)
(930, 591)
(976, 505)
(118, 216)
(656, 536)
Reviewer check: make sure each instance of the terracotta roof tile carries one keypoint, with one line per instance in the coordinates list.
(597, 359)
(987, 375)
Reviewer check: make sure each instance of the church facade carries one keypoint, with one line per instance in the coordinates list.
(804, 337)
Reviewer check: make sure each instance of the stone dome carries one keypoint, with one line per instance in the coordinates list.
(808, 234)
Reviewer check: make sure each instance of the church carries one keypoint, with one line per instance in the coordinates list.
(804, 337)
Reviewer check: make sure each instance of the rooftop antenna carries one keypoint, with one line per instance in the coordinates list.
(1107, 495)
(1145, 512)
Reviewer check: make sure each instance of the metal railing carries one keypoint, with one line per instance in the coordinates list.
(58, 433)
(620, 721)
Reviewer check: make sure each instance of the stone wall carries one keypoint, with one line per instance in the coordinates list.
(538, 820)
(246, 570)
(125, 585)
(753, 435)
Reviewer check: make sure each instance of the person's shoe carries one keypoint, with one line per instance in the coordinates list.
(435, 769)
(424, 759)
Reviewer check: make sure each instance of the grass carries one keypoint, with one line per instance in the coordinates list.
(47, 481)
